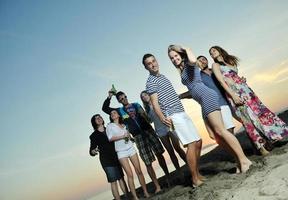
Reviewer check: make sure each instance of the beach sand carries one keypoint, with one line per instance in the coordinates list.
(267, 179)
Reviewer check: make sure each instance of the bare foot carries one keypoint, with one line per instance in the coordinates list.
(263, 151)
(245, 166)
(158, 190)
(197, 183)
(135, 198)
(202, 178)
(238, 171)
(147, 195)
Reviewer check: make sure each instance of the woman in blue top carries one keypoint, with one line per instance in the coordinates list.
(185, 61)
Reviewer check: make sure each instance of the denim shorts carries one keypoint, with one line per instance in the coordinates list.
(113, 173)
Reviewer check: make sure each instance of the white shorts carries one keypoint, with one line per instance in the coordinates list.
(184, 128)
(126, 153)
(227, 117)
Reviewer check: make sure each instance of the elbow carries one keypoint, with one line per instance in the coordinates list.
(91, 154)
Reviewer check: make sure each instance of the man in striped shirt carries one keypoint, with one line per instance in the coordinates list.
(169, 109)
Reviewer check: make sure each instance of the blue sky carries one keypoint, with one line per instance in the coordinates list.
(58, 59)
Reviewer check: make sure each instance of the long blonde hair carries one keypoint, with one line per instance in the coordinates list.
(178, 49)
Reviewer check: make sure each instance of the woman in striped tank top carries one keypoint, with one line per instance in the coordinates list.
(185, 61)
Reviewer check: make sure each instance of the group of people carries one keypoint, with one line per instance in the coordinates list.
(222, 94)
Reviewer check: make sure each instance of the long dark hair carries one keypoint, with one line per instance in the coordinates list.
(120, 118)
(230, 59)
(93, 122)
(184, 58)
(145, 104)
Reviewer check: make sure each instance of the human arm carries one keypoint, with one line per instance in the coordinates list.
(143, 113)
(216, 70)
(93, 146)
(157, 110)
(112, 134)
(190, 55)
(185, 95)
(106, 104)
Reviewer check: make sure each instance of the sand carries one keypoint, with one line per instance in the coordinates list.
(267, 179)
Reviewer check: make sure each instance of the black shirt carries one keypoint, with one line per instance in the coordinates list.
(108, 156)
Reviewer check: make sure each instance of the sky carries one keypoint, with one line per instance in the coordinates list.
(58, 59)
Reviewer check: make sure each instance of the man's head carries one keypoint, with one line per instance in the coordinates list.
(150, 63)
(202, 62)
(122, 98)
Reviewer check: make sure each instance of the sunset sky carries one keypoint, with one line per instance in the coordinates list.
(58, 59)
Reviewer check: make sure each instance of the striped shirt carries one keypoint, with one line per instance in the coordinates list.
(168, 99)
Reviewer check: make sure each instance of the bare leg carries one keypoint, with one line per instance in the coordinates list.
(221, 143)
(168, 146)
(192, 161)
(162, 163)
(153, 177)
(123, 186)
(126, 166)
(135, 161)
(177, 147)
(198, 153)
(216, 122)
(114, 189)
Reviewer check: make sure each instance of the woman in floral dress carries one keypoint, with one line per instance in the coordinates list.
(260, 123)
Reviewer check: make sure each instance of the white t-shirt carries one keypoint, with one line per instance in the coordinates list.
(114, 130)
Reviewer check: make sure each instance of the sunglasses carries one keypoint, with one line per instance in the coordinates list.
(121, 99)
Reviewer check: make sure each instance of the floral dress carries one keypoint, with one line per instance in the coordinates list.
(260, 123)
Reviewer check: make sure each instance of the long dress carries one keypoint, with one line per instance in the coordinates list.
(260, 123)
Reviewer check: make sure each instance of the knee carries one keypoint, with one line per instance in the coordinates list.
(129, 175)
(199, 143)
(171, 151)
(138, 172)
(160, 156)
(191, 147)
(219, 131)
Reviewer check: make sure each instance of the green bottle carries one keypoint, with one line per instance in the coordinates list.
(113, 90)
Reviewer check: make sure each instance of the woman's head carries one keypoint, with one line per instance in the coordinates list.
(145, 97)
(177, 55)
(220, 56)
(115, 116)
(96, 121)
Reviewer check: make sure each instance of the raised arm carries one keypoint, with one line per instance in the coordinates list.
(191, 57)
(157, 110)
(216, 70)
(106, 104)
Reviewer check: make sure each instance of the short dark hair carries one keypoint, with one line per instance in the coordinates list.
(202, 57)
(118, 94)
(93, 123)
(147, 55)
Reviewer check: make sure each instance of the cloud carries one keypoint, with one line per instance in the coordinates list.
(79, 151)
(276, 74)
